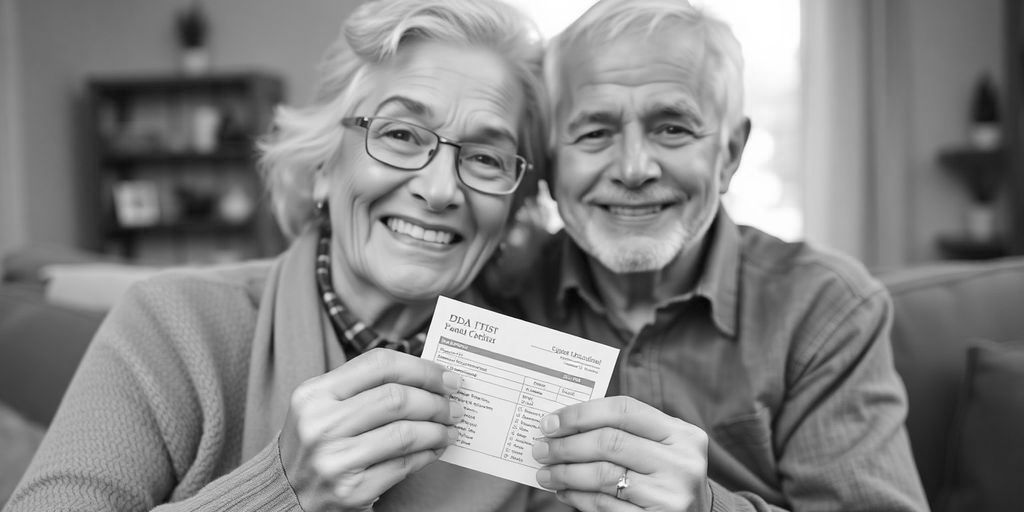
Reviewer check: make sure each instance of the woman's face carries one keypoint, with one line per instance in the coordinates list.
(413, 235)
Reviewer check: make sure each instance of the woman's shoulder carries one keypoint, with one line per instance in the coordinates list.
(221, 298)
(209, 283)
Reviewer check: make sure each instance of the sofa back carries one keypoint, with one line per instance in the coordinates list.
(941, 310)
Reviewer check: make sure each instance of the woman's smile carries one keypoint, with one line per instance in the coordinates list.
(434, 235)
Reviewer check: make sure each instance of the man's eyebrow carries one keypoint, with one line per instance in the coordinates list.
(677, 110)
(605, 117)
(416, 108)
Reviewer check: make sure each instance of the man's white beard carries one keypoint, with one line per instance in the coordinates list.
(637, 253)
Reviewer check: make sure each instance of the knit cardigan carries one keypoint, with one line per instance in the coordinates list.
(155, 415)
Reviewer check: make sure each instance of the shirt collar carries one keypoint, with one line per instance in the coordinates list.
(718, 282)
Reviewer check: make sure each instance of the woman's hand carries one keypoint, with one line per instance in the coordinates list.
(354, 432)
(589, 446)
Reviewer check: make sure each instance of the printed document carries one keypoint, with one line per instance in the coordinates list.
(513, 374)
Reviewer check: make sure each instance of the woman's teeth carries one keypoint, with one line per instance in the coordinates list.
(420, 233)
(634, 211)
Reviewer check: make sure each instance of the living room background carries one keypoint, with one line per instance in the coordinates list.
(49, 48)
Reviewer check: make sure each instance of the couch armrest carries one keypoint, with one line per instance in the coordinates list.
(40, 347)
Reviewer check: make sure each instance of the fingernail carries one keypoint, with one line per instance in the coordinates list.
(453, 435)
(540, 449)
(456, 410)
(544, 477)
(452, 381)
(549, 424)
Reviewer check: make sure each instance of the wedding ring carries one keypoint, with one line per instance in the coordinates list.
(623, 483)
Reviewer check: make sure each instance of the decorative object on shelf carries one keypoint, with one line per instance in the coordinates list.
(985, 131)
(981, 172)
(235, 206)
(206, 120)
(193, 32)
(136, 203)
(980, 222)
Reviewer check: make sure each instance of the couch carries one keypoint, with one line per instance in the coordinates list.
(40, 346)
(956, 337)
(957, 342)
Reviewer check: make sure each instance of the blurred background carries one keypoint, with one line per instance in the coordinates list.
(885, 129)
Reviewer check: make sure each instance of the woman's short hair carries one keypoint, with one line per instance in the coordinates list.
(304, 138)
(609, 19)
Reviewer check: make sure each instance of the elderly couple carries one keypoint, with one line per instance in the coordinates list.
(753, 375)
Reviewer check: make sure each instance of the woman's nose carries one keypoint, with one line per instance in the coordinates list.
(637, 166)
(437, 184)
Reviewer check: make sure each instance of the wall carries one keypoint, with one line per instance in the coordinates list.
(12, 224)
(945, 45)
(61, 44)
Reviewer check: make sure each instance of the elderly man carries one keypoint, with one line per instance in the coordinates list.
(754, 374)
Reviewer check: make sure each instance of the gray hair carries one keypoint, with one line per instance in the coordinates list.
(305, 138)
(609, 19)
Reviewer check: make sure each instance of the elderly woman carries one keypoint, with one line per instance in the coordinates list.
(295, 383)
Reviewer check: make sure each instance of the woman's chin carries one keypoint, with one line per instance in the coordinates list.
(419, 290)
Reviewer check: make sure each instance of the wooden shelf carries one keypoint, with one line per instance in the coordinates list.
(167, 149)
(981, 171)
(240, 154)
(198, 226)
(959, 247)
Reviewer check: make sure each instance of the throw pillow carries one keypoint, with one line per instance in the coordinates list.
(988, 471)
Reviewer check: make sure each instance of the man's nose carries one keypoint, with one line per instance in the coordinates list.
(637, 166)
(437, 184)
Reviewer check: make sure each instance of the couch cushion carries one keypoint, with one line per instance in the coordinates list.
(939, 310)
(40, 346)
(989, 448)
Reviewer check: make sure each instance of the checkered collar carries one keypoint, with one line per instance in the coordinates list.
(355, 336)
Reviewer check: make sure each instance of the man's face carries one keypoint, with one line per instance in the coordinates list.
(641, 160)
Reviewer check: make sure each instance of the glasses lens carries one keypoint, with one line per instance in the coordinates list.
(490, 169)
(399, 144)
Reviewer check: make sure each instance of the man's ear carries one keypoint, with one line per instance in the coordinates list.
(734, 152)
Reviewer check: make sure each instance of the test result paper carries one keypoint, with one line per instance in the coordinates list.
(513, 373)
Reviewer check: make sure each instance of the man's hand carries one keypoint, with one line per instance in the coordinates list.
(356, 431)
(590, 446)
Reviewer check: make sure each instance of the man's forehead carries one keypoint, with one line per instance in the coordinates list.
(655, 60)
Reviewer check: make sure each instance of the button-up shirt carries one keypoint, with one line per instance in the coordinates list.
(781, 353)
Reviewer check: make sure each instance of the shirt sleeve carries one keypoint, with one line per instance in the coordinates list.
(840, 433)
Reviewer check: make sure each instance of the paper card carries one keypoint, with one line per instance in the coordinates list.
(513, 374)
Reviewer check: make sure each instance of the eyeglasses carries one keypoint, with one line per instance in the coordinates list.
(409, 147)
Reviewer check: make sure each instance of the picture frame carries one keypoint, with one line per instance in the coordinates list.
(136, 203)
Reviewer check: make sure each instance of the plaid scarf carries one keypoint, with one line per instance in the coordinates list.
(355, 336)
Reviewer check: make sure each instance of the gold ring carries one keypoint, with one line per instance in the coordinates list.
(623, 483)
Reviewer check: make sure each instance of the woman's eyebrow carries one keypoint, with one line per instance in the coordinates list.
(411, 106)
(493, 134)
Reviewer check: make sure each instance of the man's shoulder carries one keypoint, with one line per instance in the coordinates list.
(802, 267)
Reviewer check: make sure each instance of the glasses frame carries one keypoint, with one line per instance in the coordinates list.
(364, 123)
